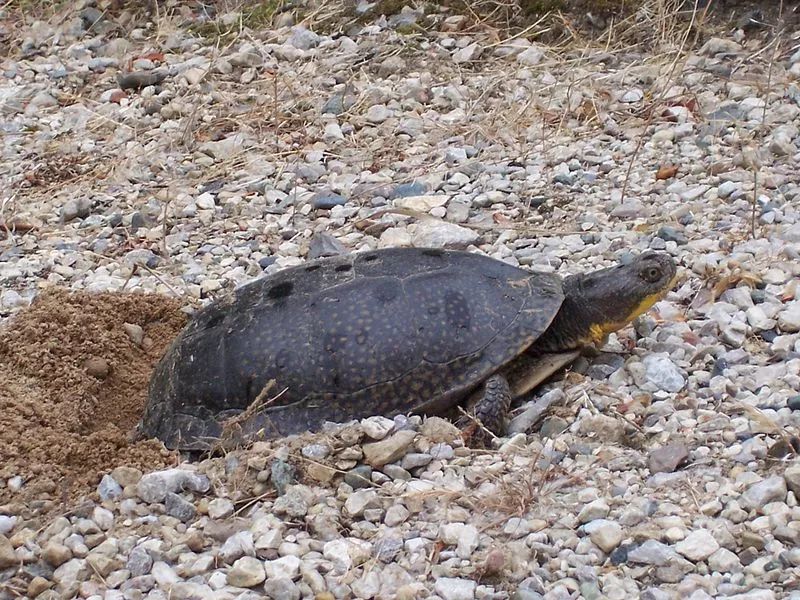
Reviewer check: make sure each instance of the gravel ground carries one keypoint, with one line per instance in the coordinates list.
(189, 154)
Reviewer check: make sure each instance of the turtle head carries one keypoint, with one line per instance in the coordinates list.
(601, 302)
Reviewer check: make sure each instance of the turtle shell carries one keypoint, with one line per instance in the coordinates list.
(380, 332)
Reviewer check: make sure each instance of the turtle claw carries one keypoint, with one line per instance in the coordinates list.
(489, 415)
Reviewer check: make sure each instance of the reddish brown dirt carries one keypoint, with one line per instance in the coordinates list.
(64, 421)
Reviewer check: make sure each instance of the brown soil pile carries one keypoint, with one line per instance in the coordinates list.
(73, 383)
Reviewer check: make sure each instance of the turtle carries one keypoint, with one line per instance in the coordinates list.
(385, 332)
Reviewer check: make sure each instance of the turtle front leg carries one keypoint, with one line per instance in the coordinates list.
(490, 411)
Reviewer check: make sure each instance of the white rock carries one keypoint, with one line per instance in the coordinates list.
(286, 566)
(396, 514)
(220, 508)
(772, 489)
(789, 318)
(758, 319)
(698, 545)
(724, 561)
(631, 96)
(453, 588)
(464, 537)
(103, 517)
(359, 501)
(153, 487)
(663, 373)
(597, 509)
(433, 234)
(467, 54)
(422, 203)
(164, 575)
(604, 534)
(246, 572)
(530, 57)
(205, 201)
(333, 133)
(378, 113)
(377, 427)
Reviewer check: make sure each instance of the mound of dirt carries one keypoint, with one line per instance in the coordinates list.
(74, 369)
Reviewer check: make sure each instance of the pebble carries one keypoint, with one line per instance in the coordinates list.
(697, 546)
(8, 557)
(327, 201)
(220, 508)
(667, 458)
(464, 537)
(454, 588)
(789, 318)
(772, 489)
(663, 373)
(246, 572)
(390, 449)
(604, 534)
(724, 561)
(154, 487)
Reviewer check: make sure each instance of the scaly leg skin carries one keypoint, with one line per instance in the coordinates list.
(491, 411)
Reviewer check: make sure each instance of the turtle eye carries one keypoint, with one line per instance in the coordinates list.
(651, 274)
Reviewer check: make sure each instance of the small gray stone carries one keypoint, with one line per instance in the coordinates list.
(597, 509)
(726, 188)
(236, 546)
(7, 524)
(394, 447)
(667, 458)
(651, 552)
(698, 545)
(155, 486)
(440, 234)
(359, 501)
(395, 515)
(283, 474)
(8, 558)
(76, 209)
(377, 427)
(285, 566)
(414, 460)
(789, 318)
(672, 234)
(323, 244)
(327, 200)
(792, 477)
(179, 507)
(359, 477)
(108, 489)
(632, 96)
(302, 38)
(663, 373)
(454, 588)
(530, 57)
(604, 534)
(282, 588)
(378, 113)
(246, 572)
(724, 561)
(294, 502)
(772, 489)
(467, 53)
(405, 190)
(720, 46)
(220, 508)
(139, 562)
(465, 537)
